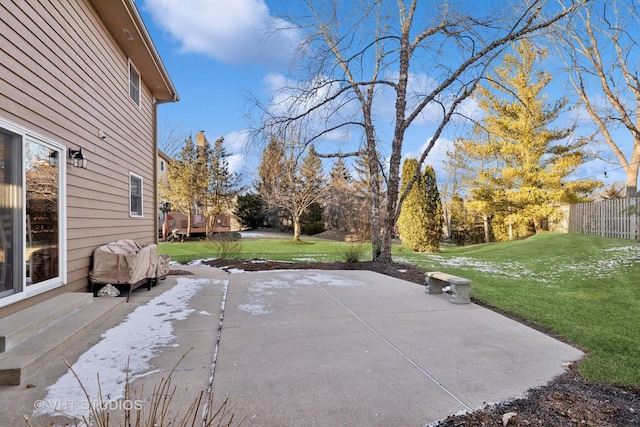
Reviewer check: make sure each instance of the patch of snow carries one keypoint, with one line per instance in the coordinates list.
(263, 235)
(200, 261)
(284, 285)
(322, 277)
(254, 308)
(134, 342)
(595, 267)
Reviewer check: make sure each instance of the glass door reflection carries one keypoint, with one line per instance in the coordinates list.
(42, 181)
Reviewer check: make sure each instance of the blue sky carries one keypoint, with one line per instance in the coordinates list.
(210, 51)
(218, 55)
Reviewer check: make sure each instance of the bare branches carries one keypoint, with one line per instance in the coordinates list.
(597, 47)
(363, 64)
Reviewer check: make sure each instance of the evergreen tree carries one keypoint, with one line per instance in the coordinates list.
(362, 209)
(186, 180)
(250, 211)
(521, 161)
(420, 221)
(435, 218)
(270, 172)
(463, 223)
(223, 186)
(311, 220)
(341, 202)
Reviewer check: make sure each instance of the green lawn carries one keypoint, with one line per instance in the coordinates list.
(280, 249)
(585, 289)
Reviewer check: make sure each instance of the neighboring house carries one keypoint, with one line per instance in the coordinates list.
(174, 220)
(74, 75)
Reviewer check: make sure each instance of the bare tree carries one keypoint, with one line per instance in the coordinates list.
(294, 180)
(171, 139)
(361, 61)
(601, 48)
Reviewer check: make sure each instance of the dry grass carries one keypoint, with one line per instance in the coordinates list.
(164, 408)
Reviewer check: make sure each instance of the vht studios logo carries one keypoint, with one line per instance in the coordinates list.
(86, 405)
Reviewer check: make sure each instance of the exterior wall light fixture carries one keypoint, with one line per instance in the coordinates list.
(78, 159)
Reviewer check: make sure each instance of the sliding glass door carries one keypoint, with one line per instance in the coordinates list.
(11, 256)
(42, 183)
(31, 184)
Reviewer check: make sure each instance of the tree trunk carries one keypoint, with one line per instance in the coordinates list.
(296, 228)
(374, 184)
(165, 226)
(387, 238)
(392, 208)
(537, 225)
(487, 228)
(631, 172)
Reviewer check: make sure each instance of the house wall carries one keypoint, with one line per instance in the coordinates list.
(63, 76)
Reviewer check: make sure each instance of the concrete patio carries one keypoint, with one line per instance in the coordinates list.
(311, 347)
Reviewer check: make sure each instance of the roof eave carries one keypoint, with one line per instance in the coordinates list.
(123, 21)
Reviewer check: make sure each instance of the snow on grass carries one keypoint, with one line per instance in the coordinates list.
(597, 267)
(136, 340)
(264, 235)
(323, 257)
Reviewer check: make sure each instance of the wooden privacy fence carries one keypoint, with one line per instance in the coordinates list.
(616, 218)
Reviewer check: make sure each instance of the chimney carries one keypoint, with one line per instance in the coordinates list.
(200, 138)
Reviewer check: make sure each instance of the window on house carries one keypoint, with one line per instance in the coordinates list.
(135, 195)
(134, 84)
(162, 165)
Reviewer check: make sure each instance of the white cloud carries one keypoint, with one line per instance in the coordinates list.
(234, 32)
(290, 97)
(237, 163)
(236, 141)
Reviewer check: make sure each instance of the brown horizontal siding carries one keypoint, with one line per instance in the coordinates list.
(62, 75)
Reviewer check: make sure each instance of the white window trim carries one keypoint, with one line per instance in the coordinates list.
(131, 213)
(61, 280)
(139, 102)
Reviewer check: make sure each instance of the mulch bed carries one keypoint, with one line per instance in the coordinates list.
(569, 400)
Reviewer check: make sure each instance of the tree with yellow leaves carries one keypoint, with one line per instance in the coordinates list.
(522, 161)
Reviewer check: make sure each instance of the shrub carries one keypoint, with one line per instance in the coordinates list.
(311, 220)
(313, 228)
(351, 252)
(224, 245)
